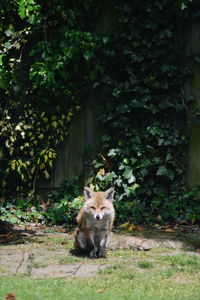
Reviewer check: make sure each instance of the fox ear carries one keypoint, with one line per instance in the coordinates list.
(109, 194)
(88, 193)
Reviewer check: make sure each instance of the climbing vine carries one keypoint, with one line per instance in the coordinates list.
(145, 122)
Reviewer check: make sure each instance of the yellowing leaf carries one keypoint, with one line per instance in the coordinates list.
(12, 139)
(46, 174)
(33, 170)
(131, 227)
(42, 166)
(125, 225)
(11, 150)
(100, 291)
(101, 172)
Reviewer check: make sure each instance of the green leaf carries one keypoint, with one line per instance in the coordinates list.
(1, 59)
(162, 171)
(22, 12)
(8, 32)
(113, 152)
(128, 174)
(3, 83)
(46, 174)
(88, 55)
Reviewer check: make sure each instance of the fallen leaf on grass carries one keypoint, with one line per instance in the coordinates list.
(131, 227)
(100, 291)
(11, 296)
(125, 225)
(169, 230)
(139, 228)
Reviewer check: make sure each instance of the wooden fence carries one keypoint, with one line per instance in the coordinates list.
(84, 129)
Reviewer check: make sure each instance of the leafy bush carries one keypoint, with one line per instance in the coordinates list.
(66, 202)
(61, 208)
(17, 213)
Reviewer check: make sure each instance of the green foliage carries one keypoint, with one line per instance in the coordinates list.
(61, 208)
(28, 9)
(64, 211)
(52, 56)
(66, 202)
(20, 212)
(144, 146)
(49, 46)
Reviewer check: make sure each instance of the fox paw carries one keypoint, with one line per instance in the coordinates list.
(102, 253)
(93, 254)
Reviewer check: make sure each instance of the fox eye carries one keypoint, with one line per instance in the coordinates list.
(92, 207)
(103, 207)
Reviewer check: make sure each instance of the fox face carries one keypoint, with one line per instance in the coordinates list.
(98, 204)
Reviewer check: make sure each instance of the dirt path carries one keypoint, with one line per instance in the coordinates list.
(40, 253)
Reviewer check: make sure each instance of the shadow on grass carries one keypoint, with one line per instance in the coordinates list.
(9, 235)
(188, 235)
(79, 253)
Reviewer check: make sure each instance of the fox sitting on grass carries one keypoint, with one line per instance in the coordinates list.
(95, 221)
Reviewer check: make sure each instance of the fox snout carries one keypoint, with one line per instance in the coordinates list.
(98, 216)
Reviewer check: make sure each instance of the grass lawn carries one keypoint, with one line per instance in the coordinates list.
(135, 275)
(158, 274)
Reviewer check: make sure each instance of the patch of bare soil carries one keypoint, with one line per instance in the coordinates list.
(38, 251)
(45, 260)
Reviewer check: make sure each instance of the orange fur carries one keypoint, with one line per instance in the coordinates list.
(95, 221)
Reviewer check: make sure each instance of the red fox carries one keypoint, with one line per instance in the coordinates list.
(95, 221)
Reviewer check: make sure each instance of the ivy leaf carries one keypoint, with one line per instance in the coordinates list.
(112, 152)
(162, 171)
(87, 55)
(8, 32)
(128, 174)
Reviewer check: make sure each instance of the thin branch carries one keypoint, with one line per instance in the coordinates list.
(76, 270)
(100, 266)
(21, 262)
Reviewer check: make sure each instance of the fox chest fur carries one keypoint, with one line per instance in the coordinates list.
(95, 225)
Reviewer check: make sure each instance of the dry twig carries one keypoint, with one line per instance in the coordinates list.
(21, 262)
(76, 270)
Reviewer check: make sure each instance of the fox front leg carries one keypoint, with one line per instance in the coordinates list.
(93, 248)
(80, 240)
(103, 243)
